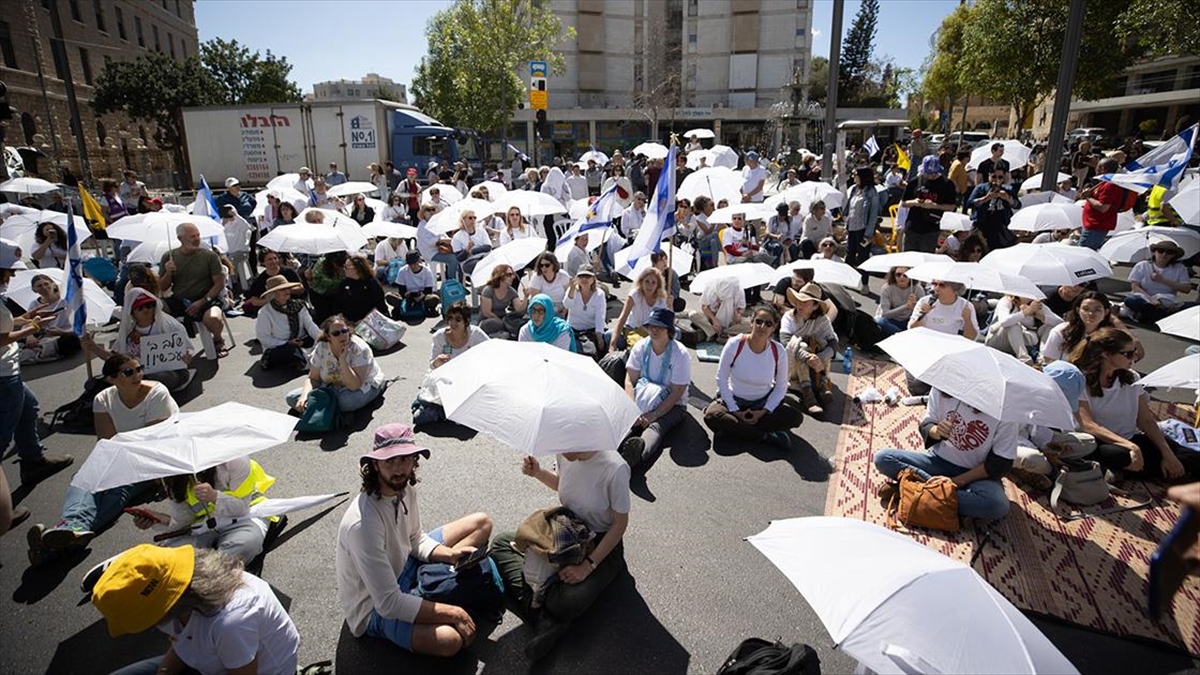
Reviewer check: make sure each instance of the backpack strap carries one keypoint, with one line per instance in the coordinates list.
(742, 345)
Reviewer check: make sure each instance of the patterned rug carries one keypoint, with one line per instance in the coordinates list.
(1090, 572)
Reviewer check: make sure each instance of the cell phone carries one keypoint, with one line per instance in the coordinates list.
(1168, 566)
(447, 349)
(146, 513)
(471, 560)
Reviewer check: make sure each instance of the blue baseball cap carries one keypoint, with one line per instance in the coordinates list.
(662, 317)
(1068, 378)
(752, 155)
(931, 166)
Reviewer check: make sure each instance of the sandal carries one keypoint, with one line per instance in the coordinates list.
(221, 349)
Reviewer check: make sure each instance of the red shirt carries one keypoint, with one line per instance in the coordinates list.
(1105, 193)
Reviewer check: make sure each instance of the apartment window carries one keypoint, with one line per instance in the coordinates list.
(157, 41)
(74, 4)
(6, 46)
(171, 44)
(691, 38)
(137, 28)
(99, 15)
(164, 2)
(799, 32)
(178, 11)
(87, 65)
(60, 65)
(121, 23)
(693, 7)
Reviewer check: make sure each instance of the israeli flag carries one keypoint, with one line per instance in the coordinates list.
(660, 213)
(599, 215)
(205, 204)
(74, 305)
(1163, 165)
(871, 146)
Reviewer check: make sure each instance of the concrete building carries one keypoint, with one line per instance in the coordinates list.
(368, 87)
(94, 32)
(672, 64)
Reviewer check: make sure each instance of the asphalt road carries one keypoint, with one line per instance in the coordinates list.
(694, 589)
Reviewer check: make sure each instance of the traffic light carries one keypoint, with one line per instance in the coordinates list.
(6, 111)
(543, 128)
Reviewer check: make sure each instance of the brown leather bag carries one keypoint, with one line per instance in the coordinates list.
(931, 504)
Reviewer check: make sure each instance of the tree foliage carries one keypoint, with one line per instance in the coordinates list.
(469, 77)
(854, 66)
(943, 77)
(244, 77)
(1161, 27)
(818, 80)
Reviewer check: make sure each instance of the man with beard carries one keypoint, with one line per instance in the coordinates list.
(381, 544)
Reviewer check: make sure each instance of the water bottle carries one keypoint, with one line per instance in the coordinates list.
(848, 361)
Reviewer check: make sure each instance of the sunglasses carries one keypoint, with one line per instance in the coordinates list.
(764, 323)
(826, 245)
(937, 284)
(545, 266)
(150, 306)
(469, 218)
(901, 275)
(130, 372)
(338, 332)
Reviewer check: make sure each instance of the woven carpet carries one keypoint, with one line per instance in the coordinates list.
(1090, 572)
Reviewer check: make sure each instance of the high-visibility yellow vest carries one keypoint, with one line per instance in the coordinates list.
(254, 486)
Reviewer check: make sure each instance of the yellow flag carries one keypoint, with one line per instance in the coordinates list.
(902, 159)
(91, 211)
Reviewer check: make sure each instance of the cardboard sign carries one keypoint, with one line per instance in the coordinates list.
(163, 352)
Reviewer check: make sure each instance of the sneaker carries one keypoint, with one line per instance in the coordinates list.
(65, 537)
(808, 400)
(34, 471)
(37, 550)
(779, 439)
(827, 396)
(886, 492)
(549, 632)
(631, 450)
(914, 400)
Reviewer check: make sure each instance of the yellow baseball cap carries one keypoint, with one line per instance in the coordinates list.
(142, 585)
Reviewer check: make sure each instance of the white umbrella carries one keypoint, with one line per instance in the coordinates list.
(516, 254)
(447, 193)
(723, 156)
(681, 259)
(446, 220)
(810, 191)
(99, 303)
(1183, 373)
(186, 443)
(286, 194)
(1016, 154)
(352, 187)
(952, 221)
(1126, 221)
(824, 272)
(717, 183)
(31, 186)
(1187, 202)
(532, 204)
(152, 252)
(22, 228)
(701, 159)
(287, 180)
(9, 209)
(1034, 182)
(883, 263)
(922, 612)
(1047, 265)
(377, 205)
(1043, 217)
(384, 228)
(1134, 246)
(652, 150)
(326, 217)
(986, 379)
(536, 397)
(748, 274)
(495, 190)
(724, 215)
(600, 158)
(1185, 323)
(698, 133)
(160, 226)
(315, 238)
(578, 209)
(277, 507)
(1043, 198)
(977, 277)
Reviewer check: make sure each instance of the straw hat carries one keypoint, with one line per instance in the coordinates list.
(280, 283)
(809, 291)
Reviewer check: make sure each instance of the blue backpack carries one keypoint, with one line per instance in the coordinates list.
(452, 291)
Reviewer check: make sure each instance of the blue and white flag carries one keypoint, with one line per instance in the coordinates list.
(205, 204)
(1163, 165)
(871, 146)
(74, 305)
(600, 214)
(660, 213)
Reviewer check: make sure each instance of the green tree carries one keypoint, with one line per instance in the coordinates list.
(1012, 50)
(153, 88)
(476, 48)
(818, 80)
(855, 59)
(943, 81)
(244, 77)
(1161, 27)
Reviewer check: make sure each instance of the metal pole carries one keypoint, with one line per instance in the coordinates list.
(831, 97)
(1062, 96)
(58, 45)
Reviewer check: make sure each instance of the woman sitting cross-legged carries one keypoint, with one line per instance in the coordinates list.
(131, 403)
(973, 449)
(1020, 323)
(359, 292)
(501, 307)
(1116, 411)
(657, 375)
(457, 337)
(546, 326)
(650, 293)
(1157, 283)
(752, 379)
(143, 317)
(586, 311)
(1090, 312)
(897, 299)
(283, 326)
(341, 363)
(720, 313)
(811, 343)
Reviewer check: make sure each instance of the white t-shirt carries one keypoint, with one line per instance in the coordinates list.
(589, 316)
(517, 233)
(1117, 409)
(252, 624)
(643, 356)
(480, 238)
(945, 318)
(752, 178)
(556, 289)
(1052, 348)
(639, 314)
(974, 435)
(593, 487)
(384, 252)
(427, 240)
(158, 405)
(752, 376)
(475, 335)
(578, 186)
(10, 354)
(1141, 276)
(415, 281)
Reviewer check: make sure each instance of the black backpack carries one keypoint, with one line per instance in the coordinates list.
(755, 656)
(77, 417)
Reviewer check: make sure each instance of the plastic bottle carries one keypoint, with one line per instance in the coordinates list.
(848, 361)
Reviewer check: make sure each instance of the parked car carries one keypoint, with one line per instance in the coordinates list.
(1094, 134)
(970, 139)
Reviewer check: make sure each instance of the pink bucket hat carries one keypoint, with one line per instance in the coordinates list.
(394, 440)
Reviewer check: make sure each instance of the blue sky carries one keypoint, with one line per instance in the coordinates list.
(349, 38)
